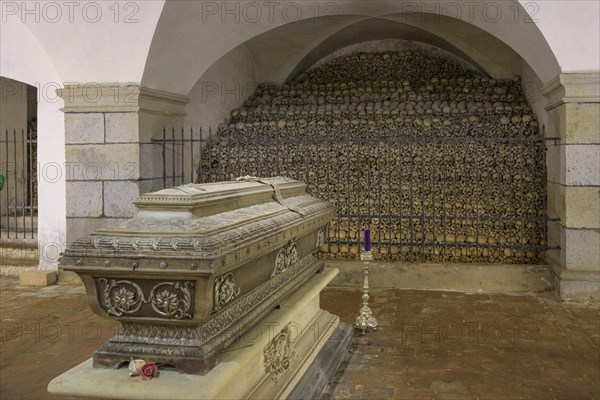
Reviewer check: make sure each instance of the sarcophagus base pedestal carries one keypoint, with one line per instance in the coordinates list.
(269, 361)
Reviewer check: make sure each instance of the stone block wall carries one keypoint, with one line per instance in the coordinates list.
(110, 156)
(573, 106)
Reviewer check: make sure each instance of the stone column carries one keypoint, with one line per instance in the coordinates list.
(110, 157)
(573, 106)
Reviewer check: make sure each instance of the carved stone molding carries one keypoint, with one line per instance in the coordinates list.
(278, 354)
(210, 246)
(572, 88)
(223, 325)
(129, 97)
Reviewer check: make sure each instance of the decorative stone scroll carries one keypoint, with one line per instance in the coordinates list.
(278, 354)
(172, 299)
(225, 290)
(287, 256)
(321, 238)
(121, 297)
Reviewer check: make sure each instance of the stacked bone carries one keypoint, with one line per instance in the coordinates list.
(441, 163)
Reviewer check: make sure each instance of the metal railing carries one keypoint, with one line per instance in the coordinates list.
(460, 198)
(18, 198)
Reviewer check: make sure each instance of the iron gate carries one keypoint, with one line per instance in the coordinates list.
(18, 198)
(461, 198)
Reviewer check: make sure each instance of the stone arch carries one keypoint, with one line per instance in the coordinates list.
(190, 38)
(385, 28)
(194, 52)
(226, 54)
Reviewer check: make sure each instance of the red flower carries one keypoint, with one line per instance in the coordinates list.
(149, 371)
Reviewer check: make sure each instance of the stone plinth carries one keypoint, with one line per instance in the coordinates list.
(37, 278)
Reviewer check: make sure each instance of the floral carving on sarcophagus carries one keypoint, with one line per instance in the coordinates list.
(125, 298)
(121, 297)
(172, 299)
(278, 354)
(286, 257)
(225, 290)
(320, 238)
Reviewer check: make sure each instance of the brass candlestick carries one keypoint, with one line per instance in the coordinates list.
(365, 319)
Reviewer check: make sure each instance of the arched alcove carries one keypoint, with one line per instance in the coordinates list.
(218, 75)
(282, 52)
(187, 49)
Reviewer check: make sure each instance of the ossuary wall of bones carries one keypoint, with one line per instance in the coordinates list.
(441, 163)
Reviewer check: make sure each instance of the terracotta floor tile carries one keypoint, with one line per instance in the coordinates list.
(429, 345)
(480, 346)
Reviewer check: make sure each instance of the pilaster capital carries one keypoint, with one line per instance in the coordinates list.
(116, 97)
(572, 88)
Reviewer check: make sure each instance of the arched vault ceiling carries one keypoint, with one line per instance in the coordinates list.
(186, 42)
(380, 29)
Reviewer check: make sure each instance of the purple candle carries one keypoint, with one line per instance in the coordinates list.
(367, 240)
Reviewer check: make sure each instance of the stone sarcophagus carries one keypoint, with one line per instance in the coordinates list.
(198, 266)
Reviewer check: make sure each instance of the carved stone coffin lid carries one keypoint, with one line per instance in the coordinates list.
(203, 200)
(227, 221)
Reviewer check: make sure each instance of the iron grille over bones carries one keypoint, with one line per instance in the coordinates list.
(441, 163)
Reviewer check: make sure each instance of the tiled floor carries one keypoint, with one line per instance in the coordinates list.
(443, 345)
(429, 345)
(44, 332)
